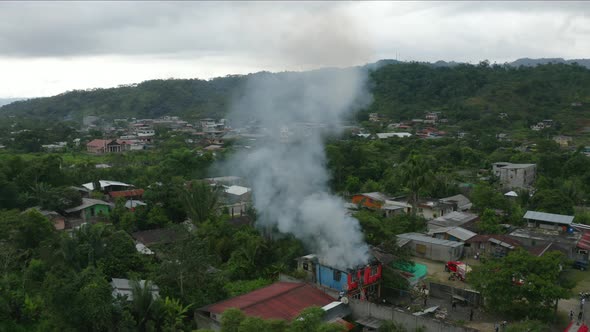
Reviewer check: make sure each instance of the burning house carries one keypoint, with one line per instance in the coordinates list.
(362, 282)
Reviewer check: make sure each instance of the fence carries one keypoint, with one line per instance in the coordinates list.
(446, 292)
(362, 309)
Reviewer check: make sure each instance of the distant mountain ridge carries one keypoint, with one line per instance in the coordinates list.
(6, 101)
(400, 89)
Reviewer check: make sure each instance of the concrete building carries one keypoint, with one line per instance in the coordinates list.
(421, 245)
(515, 175)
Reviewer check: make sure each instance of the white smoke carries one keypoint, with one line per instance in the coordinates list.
(288, 175)
(288, 171)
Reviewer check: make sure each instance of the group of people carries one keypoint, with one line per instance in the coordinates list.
(581, 313)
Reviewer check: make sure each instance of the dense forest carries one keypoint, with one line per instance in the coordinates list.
(469, 95)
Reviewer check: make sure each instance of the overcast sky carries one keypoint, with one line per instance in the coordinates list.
(50, 47)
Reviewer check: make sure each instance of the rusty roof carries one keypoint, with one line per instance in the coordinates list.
(281, 300)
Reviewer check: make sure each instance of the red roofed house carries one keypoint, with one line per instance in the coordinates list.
(100, 146)
(583, 247)
(128, 194)
(281, 300)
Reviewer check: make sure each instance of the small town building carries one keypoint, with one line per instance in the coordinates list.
(452, 233)
(362, 282)
(459, 202)
(453, 219)
(563, 141)
(123, 287)
(549, 221)
(425, 246)
(131, 194)
(515, 175)
(281, 300)
(59, 222)
(373, 200)
(390, 135)
(107, 186)
(497, 245)
(90, 210)
(431, 209)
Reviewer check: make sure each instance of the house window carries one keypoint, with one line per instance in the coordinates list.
(337, 275)
(482, 245)
(374, 270)
(92, 212)
(306, 266)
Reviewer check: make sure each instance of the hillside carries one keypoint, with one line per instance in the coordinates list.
(470, 95)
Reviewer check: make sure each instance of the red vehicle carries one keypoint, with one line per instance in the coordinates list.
(458, 269)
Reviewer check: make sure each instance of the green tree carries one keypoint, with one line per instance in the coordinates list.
(200, 201)
(489, 223)
(416, 174)
(498, 280)
(552, 201)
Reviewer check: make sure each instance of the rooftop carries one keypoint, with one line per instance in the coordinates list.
(236, 190)
(106, 183)
(153, 236)
(281, 300)
(426, 238)
(549, 217)
(376, 196)
(507, 165)
(461, 201)
(126, 193)
(500, 239)
(584, 242)
(454, 218)
(86, 203)
(457, 232)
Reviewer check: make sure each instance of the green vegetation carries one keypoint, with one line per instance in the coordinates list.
(56, 281)
(521, 285)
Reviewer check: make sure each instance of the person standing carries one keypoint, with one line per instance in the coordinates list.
(571, 315)
(471, 315)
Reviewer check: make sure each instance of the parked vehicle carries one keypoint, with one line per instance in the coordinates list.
(458, 270)
(581, 265)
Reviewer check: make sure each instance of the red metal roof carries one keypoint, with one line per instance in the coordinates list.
(127, 193)
(281, 300)
(584, 242)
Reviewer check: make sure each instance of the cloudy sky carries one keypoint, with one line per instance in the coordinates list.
(50, 47)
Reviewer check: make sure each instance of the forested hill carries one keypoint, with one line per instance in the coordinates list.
(402, 91)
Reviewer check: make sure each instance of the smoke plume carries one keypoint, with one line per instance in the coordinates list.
(287, 169)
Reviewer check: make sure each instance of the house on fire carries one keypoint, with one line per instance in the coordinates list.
(362, 282)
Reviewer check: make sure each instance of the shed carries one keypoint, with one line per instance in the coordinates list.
(453, 219)
(452, 233)
(549, 221)
(460, 202)
(421, 245)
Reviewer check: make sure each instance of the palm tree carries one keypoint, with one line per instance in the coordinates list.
(142, 301)
(200, 201)
(416, 174)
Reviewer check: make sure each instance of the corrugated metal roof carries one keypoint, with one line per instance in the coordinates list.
(461, 233)
(549, 217)
(281, 300)
(428, 239)
(236, 190)
(454, 218)
(376, 196)
(88, 202)
(106, 183)
(584, 242)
